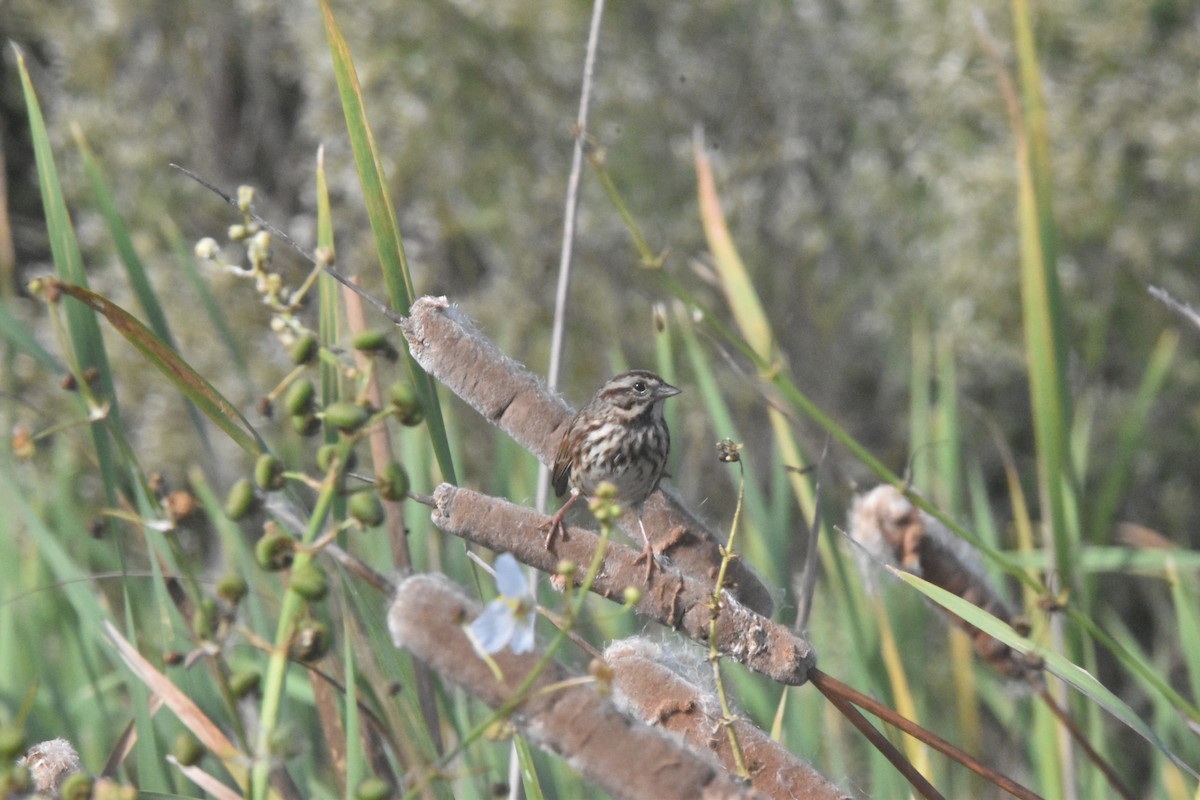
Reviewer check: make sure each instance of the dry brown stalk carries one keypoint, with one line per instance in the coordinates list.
(625, 758)
(450, 347)
(893, 530)
(650, 683)
(670, 597)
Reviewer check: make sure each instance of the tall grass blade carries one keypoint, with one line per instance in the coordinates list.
(87, 343)
(1080, 679)
(193, 385)
(382, 215)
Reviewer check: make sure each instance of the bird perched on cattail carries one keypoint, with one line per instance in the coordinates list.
(619, 436)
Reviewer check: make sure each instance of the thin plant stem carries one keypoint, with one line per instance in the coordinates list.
(729, 453)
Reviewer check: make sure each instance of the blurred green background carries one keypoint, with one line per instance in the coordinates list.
(864, 160)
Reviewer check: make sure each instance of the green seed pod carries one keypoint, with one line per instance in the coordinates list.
(231, 588)
(243, 682)
(365, 508)
(310, 642)
(345, 416)
(325, 456)
(17, 781)
(373, 788)
(299, 397)
(285, 741)
(12, 742)
(204, 618)
(187, 750)
(406, 404)
(392, 482)
(304, 351)
(310, 582)
(275, 551)
(306, 424)
(241, 500)
(76, 787)
(268, 473)
(372, 341)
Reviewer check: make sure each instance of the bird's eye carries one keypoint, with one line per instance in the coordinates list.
(639, 386)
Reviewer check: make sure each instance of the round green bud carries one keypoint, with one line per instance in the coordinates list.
(310, 582)
(204, 618)
(76, 787)
(310, 642)
(304, 351)
(392, 482)
(268, 473)
(372, 341)
(306, 424)
(366, 509)
(241, 499)
(633, 595)
(285, 741)
(299, 397)
(373, 788)
(275, 551)
(406, 404)
(231, 588)
(345, 416)
(12, 742)
(17, 781)
(187, 750)
(243, 682)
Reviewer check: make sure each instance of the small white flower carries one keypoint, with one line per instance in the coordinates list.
(507, 620)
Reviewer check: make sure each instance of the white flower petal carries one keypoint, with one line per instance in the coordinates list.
(495, 626)
(510, 581)
(522, 636)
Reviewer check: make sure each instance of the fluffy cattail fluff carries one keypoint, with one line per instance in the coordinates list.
(50, 763)
(891, 530)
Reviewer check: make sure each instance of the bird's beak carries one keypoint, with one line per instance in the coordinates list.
(667, 390)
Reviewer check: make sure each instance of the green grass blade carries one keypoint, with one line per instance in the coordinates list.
(1080, 679)
(1129, 437)
(193, 385)
(134, 269)
(382, 215)
(1041, 302)
(86, 340)
(1187, 619)
(21, 337)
